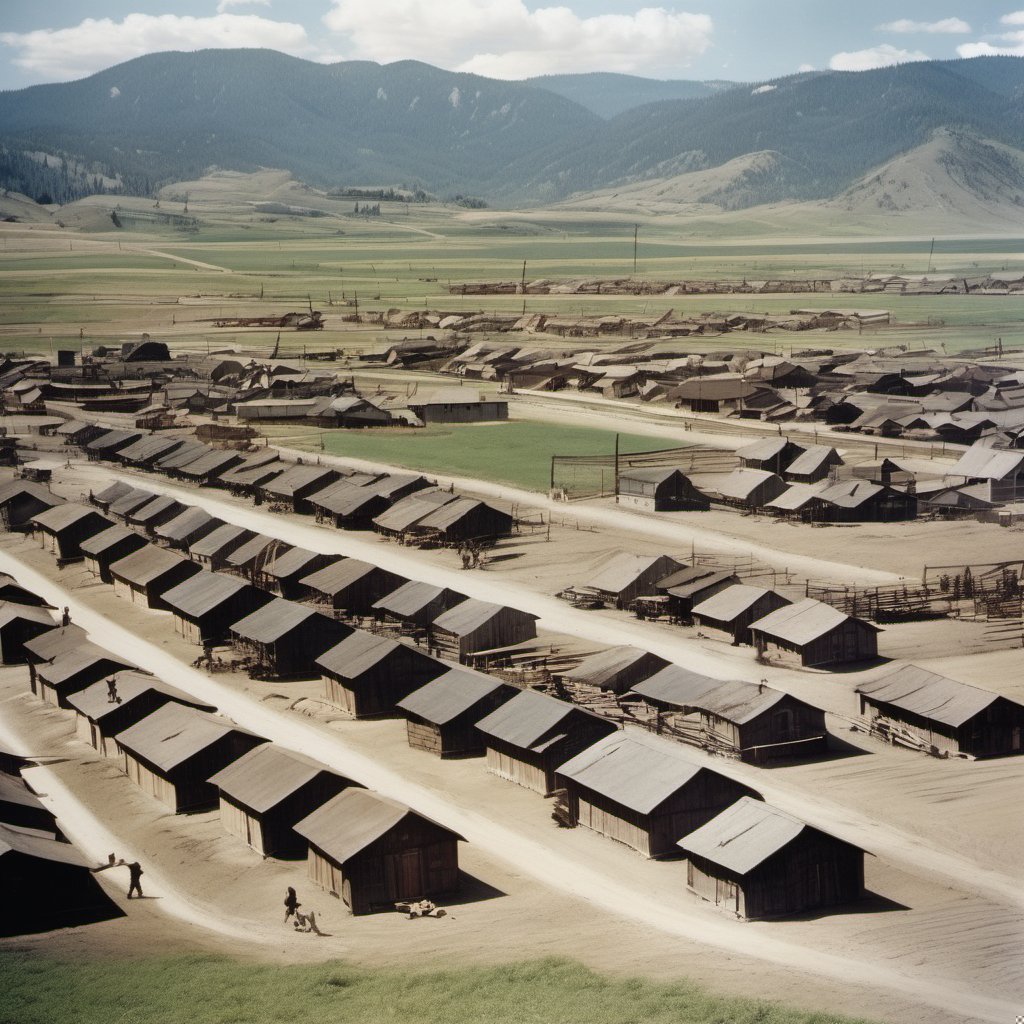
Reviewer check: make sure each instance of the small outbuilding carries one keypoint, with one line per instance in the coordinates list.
(144, 576)
(751, 488)
(283, 640)
(465, 519)
(916, 708)
(19, 624)
(212, 550)
(20, 500)
(415, 605)
(659, 490)
(266, 792)
(367, 674)
(158, 510)
(644, 792)
(207, 604)
(293, 487)
(625, 577)
(74, 670)
(473, 627)
(62, 529)
(616, 669)
(814, 463)
(733, 610)
(283, 575)
(349, 585)
(373, 852)
(818, 633)
(172, 753)
(441, 716)
(103, 549)
(529, 736)
(186, 528)
(756, 861)
(690, 586)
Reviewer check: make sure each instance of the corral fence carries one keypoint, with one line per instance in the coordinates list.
(595, 476)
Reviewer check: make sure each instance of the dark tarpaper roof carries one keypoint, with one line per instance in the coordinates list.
(338, 576)
(413, 596)
(604, 666)
(253, 549)
(10, 611)
(60, 517)
(133, 498)
(224, 536)
(146, 564)
(203, 592)
(70, 663)
(187, 453)
(50, 644)
(297, 477)
(275, 620)
(116, 490)
(187, 522)
(210, 462)
(266, 775)
(174, 733)
(94, 701)
(157, 506)
(352, 821)
(528, 717)
(291, 562)
(450, 695)
(106, 539)
(41, 848)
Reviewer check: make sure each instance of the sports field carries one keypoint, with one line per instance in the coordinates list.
(513, 452)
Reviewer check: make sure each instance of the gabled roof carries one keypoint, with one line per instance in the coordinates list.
(737, 701)
(187, 453)
(129, 501)
(253, 549)
(987, 463)
(741, 483)
(605, 666)
(16, 488)
(451, 512)
(339, 576)
(118, 489)
(528, 718)
(70, 663)
(622, 571)
(353, 820)
(450, 695)
(225, 535)
(275, 620)
(94, 701)
(470, 615)
(186, 523)
(61, 517)
(209, 463)
(812, 458)
(699, 583)
(146, 564)
(343, 497)
(150, 447)
(675, 685)
(297, 477)
(359, 652)
(174, 733)
(56, 641)
(744, 835)
(929, 695)
(106, 539)
(413, 508)
(636, 771)
(10, 611)
(412, 597)
(730, 603)
(851, 493)
(796, 496)
(13, 840)
(267, 775)
(157, 506)
(203, 592)
(804, 622)
(293, 561)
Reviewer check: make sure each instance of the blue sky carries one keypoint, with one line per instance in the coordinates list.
(740, 40)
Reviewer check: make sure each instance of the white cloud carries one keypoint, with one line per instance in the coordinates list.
(1013, 18)
(883, 56)
(762, 89)
(96, 43)
(225, 5)
(945, 26)
(1011, 44)
(504, 39)
(806, 67)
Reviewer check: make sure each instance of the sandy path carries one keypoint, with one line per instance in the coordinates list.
(183, 259)
(539, 860)
(673, 533)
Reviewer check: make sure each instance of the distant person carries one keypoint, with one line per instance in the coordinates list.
(135, 877)
(112, 697)
(65, 619)
(291, 905)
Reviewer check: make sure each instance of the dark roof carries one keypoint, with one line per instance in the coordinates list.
(266, 775)
(116, 490)
(111, 438)
(183, 456)
(106, 539)
(215, 542)
(353, 820)
(14, 840)
(605, 666)
(252, 549)
(469, 615)
(274, 620)
(291, 562)
(744, 835)
(186, 523)
(343, 497)
(157, 506)
(70, 663)
(411, 597)
(209, 463)
(54, 642)
(9, 611)
(636, 771)
(450, 695)
(129, 501)
(95, 704)
(174, 733)
(413, 508)
(203, 592)
(338, 576)
(60, 517)
(146, 564)
(361, 651)
(298, 477)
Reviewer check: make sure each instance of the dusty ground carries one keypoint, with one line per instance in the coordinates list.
(944, 927)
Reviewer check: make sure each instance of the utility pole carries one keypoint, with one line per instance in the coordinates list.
(636, 233)
(931, 252)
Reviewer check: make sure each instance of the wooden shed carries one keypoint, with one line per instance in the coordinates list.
(210, 466)
(373, 852)
(158, 510)
(465, 519)
(107, 444)
(172, 753)
(747, 720)
(398, 521)
(293, 487)
(206, 605)
(818, 633)
(284, 639)
(615, 669)
(349, 585)
(98, 719)
(124, 504)
(20, 500)
(625, 577)
(47, 884)
(733, 609)
(751, 488)
(756, 861)
(917, 708)
(103, 549)
(773, 454)
(249, 559)
(144, 576)
(62, 529)
(415, 605)
(20, 623)
(368, 675)
(105, 498)
(690, 586)
(644, 792)
(212, 550)
(667, 489)
(266, 792)
(283, 574)
(529, 736)
(441, 716)
(73, 670)
(186, 528)
(814, 463)
(50, 644)
(475, 626)
(21, 808)
(353, 506)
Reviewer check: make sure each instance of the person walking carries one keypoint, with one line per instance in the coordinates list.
(135, 875)
(291, 904)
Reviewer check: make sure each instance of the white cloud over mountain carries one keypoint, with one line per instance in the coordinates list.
(882, 56)
(505, 39)
(945, 26)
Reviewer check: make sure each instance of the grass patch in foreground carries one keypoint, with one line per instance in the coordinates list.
(514, 452)
(217, 990)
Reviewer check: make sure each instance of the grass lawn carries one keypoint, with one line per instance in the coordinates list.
(208, 990)
(513, 452)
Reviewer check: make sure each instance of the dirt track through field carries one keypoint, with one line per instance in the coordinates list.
(546, 864)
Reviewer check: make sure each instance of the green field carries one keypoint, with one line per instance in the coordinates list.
(207, 990)
(514, 452)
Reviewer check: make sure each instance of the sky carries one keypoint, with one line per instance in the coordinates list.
(735, 40)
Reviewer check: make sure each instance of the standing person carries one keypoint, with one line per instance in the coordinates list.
(291, 904)
(112, 697)
(135, 874)
(65, 619)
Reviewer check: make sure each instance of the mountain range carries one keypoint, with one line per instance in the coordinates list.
(819, 135)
